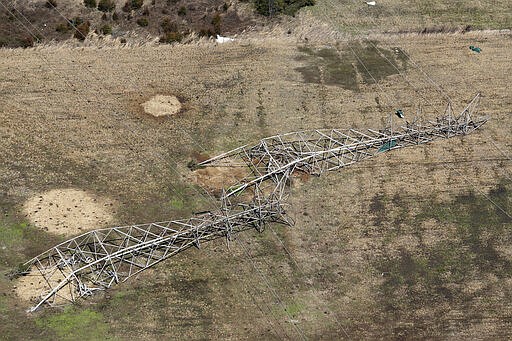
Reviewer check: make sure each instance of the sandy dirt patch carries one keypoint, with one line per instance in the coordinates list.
(68, 211)
(217, 178)
(161, 105)
(33, 287)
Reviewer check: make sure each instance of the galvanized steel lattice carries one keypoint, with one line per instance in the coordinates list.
(98, 259)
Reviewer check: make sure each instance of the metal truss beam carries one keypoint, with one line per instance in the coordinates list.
(98, 259)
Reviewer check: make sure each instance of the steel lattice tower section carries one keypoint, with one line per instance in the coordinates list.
(98, 259)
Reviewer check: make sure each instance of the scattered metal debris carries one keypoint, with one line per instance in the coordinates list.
(98, 259)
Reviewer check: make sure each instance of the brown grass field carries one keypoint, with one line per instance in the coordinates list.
(414, 244)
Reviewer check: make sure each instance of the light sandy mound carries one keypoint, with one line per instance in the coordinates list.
(68, 211)
(161, 105)
(33, 287)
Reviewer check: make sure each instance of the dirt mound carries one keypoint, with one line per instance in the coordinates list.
(161, 105)
(67, 211)
(217, 178)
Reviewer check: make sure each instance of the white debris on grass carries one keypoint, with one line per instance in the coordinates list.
(371, 3)
(221, 39)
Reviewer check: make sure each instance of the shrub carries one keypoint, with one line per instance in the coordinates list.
(132, 4)
(216, 22)
(182, 11)
(143, 22)
(289, 7)
(4, 41)
(168, 26)
(171, 37)
(206, 32)
(90, 3)
(106, 5)
(62, 27)
(76, 21)
(136, 4)
(82, 30)
(25, 42)
(50, 3)
(115, 16)
(106, 29)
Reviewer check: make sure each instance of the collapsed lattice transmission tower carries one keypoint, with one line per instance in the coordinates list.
(98, 259)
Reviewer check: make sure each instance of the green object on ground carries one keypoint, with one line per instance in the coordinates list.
(475, 48)
(387, 146)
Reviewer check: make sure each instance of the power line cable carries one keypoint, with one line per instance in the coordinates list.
(436, 85)
(207, 192)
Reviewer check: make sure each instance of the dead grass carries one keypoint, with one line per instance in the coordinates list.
(412, 16)
(360, 239)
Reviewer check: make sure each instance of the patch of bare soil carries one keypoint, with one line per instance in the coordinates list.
(67, 211)
(34, 286)
(217, 178)
(161, 105)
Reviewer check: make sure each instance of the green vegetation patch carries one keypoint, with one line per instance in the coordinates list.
(19, 241)
(76, 324)
(433, 275)
(482, 224)
(4, 308)
(106, 5)
(106, 29)
(288, 7)
(415, 15)
(177, 302)
(334, 66)
(294, 309)
(177, 203)
(143, 22)
(473, 13)
(11, 234)
(90, 3)
(375, 63)
(329, 66)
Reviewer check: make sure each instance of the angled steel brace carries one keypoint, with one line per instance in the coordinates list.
(96, 260)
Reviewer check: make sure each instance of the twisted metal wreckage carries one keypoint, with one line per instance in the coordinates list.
(98, 259)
